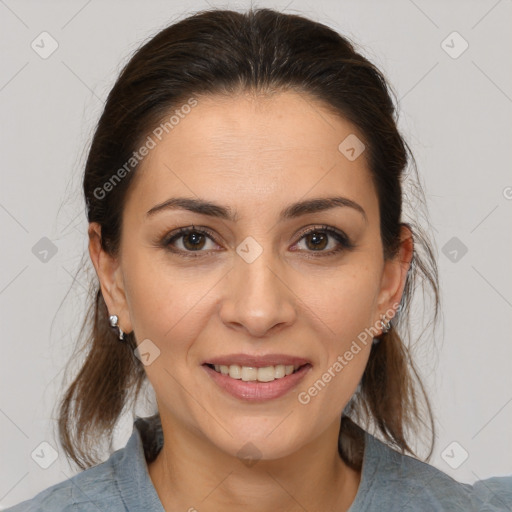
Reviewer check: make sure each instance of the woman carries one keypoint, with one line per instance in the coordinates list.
(244, 194)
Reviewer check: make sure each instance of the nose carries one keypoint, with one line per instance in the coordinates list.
(257, 298)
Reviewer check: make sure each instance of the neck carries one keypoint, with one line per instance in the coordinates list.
(189, 474)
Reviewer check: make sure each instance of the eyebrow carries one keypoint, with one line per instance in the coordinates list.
(290, 212)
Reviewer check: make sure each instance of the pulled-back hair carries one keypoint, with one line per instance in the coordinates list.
(226, 52)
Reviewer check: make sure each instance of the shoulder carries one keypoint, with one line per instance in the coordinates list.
(119, 483)
(92, 489)
(404, 483)
(494, 493)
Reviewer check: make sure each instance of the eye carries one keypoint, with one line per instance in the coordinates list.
(316, 239)
(190, 240)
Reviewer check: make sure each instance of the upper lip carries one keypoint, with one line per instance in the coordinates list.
(257, 361)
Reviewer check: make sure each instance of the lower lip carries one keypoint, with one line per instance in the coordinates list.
(255, 391)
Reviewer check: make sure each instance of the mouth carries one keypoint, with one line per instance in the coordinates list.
(256, 374)
(255, 384)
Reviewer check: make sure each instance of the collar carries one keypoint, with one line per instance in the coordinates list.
(132, 475)
(146, 440)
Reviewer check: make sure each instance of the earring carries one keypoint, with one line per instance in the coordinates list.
(114, 319)
(385, 326)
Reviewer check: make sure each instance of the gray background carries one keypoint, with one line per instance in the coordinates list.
(455, 112)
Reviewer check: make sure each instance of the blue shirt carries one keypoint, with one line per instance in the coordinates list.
(390, 481)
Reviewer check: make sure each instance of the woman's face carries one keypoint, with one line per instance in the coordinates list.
(247, 280)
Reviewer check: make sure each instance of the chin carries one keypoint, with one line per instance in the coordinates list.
(255, 440)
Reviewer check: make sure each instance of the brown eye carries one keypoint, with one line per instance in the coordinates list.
(319, 238)
(193, 240)
(190, 240)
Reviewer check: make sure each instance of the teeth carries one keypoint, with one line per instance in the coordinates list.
(250, 373)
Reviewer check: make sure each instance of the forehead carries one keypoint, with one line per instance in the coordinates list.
(249, 150)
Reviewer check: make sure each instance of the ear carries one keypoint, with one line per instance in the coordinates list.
(110, 276)
(394, 275)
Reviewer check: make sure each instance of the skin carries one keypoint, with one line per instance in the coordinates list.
(255, 155)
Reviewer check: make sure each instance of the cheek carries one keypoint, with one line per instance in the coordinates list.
(166, 304)
(345, 301)
(343, 312)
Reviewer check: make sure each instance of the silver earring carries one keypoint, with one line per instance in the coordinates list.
(114, 319)
(385, 324)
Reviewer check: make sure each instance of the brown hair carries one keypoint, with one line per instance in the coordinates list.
(225, 52)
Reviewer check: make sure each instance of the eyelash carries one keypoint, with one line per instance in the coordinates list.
(342, 239)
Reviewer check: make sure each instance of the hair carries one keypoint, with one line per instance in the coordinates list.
(224, 52)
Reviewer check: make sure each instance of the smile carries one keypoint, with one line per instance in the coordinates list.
(252, 373)
(257, 384)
